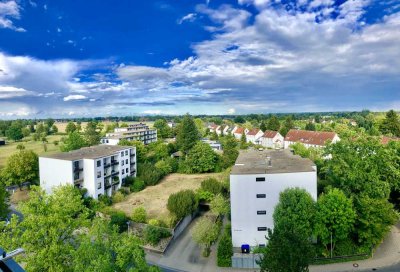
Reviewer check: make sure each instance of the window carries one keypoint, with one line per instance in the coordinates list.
(98, 174)
(261, 212)
(122, 153)
(261, 245)
(261, 196)
(126, 152)
(76, 164)
(122, 162)
(262, 228)
(127, 170)
(126, 161)
(260, 179)
(98, 163)
(99, 185)
(123, 171)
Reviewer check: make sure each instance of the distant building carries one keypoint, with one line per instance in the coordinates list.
(213, 144)
(256, 180)
(271, 139)
(2, 142)
(172, 124)
(212, 127)
(310, 138)
(253, 135)
(100, 169)
(239, 131)
(222, 130)
(137, 132)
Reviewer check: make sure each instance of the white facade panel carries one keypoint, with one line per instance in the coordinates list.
(54, 173)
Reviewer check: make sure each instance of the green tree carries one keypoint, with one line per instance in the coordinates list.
(74, 141)
(211, 185)
(163, 130)
(335, 217)
(188, 135)
(14, 132)
(54, 129)
(243, 141)
(21, 167)
(200, 126)
(182, 203)
(230, 152)
(71, 127)
(139, 215)
(286, 251)
(273, 123)
(25, 132)
(225, 249)
(201, 158)
(47, 231)
(239, 119)
(49, 122)
(204, 233)
(92, 136)
(263, 126)
(391, 124)
(310, 126)
(295, 212)
(141, 149)
(219, 205)
(3, 202)
(287, 125)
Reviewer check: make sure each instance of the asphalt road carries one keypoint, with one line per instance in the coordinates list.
(393, 268)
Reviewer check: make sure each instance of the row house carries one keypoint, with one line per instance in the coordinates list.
(271, 139)
(310, 138)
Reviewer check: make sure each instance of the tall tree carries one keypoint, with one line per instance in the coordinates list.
(273, 123)
(287, 125)
(201, 158)
(230, 152)
(204, 233)
(335, 217)
(71, 127)
(14, 132)
(92, 136)
(21, 167)
(3, 202)
(243, 141)
(163, 130)
(310, 126)
(263, 126)
(188, 135)
(391, 124)
(74, 141)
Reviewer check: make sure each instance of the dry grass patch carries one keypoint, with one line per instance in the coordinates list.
(154, 198)
(19, 196)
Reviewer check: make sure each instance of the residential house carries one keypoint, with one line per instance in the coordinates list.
(215, 145)
(137, 132)
(256, 180)
(310, 138)
(271, 139)
(222, 130)
(100, 169)
(239, 131)
(253, 135)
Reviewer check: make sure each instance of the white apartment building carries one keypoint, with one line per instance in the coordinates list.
(256, 180)
(137, 132)
(271, 139)
(100, 169)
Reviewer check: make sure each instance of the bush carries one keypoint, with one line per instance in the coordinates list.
(118, 197)
(137, 185)
(128, 181)
(182, 203)
(164, 167)
(149, 173)
(154, 222)
(139, 215)
(153, 235)
(120, 220)
(225, 251)
(212, 185)
(106, 200)
(205, 196)
(125, 191)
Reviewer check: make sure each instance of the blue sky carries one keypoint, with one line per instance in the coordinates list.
(100, 58)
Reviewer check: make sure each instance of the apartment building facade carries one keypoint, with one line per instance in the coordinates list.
(100, 169)
(256, 180)
(136, 132)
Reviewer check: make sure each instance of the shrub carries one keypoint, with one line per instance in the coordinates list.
(212, 185)
(182, 203)
(153, 235)
(117, 197)
(125, 191)
(137, 185)
(202, 195)
(149, 173)
(106, 200)
(128, 181)
(154, 222)
(120, 220)
(139, 215)
(224, 250)
(164, 167)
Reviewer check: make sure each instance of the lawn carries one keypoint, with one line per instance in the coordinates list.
(11, 148)
(154, 198)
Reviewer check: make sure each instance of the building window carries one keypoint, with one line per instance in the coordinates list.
(122, 153)
(262, 228)
(126, 152)
(261, 212)
(98, 163)
(99, 185)
(260, 179)
(123, 171)
(98, 174)
(122, 162)
(126, 161)
(261, 245)
(261, 195)
(127, 170)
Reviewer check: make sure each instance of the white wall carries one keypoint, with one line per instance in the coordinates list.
(244, 204)
(54, 173)
(89, 176)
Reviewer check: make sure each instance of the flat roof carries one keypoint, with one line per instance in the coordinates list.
(281, 161)
(91, 152)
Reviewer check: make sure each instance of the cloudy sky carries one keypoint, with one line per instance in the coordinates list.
(99, 58)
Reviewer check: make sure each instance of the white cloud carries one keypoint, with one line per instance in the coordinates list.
(9, 11)
(12, 92)
(155, 112)
(75, 97)
(231, 111)
(189, 17)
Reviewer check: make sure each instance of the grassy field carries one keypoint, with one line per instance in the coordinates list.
(154, 198)
(11, 148)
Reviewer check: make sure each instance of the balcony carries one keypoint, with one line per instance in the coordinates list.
(107, 184)
(106, 165)
(78, 180)
(78, 169)
(115, 162)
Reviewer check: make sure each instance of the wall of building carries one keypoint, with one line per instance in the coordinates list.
(245, 204)
(54, 173)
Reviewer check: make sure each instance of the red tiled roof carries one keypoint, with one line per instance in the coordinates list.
(309, 137)
(270, 134)
(239, 130)
(253, 132)
(385, 140)
(214, 126)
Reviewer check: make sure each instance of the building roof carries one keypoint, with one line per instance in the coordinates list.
(309, 137)
(270, 134)
(253, 132)
(92, 152)
(385, 140)
(270, 162)
(239, 130)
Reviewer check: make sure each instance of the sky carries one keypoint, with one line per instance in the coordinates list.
(70, 58)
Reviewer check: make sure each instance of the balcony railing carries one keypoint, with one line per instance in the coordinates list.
(78, 169)
(114, 162)
(106, 165)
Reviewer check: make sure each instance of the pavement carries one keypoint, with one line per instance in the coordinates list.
(185, 255)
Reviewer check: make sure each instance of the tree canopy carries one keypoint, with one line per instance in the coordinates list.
(187, 135)
(21, 167)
